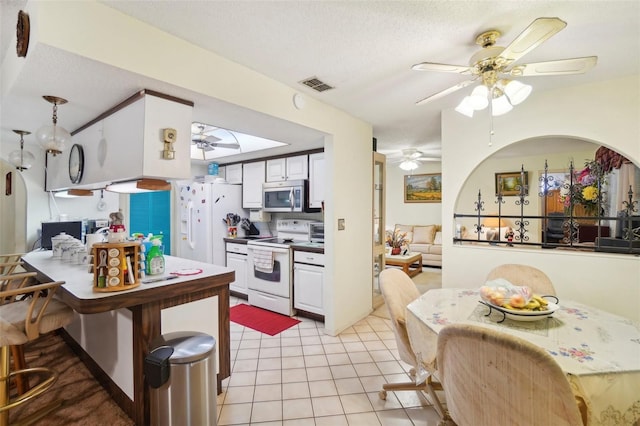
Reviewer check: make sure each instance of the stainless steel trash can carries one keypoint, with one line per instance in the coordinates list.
(181, 373)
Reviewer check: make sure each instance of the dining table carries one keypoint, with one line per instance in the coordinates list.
(598, 351)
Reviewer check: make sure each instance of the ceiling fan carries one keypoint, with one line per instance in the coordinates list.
(410, 158)
(203, 137)
(493, 66)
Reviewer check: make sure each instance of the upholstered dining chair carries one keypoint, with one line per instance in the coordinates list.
(398, 290)
(23, 319)
(524, 275)
(492, 378)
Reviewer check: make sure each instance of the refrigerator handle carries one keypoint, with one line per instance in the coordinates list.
(190, 224)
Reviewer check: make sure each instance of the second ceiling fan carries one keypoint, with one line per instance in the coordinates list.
(494, 67)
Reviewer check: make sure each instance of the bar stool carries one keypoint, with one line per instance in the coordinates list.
(9, 262)
(23, 320)
(10, 257)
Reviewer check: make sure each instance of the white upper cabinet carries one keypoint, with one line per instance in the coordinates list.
(252, 179)
(233, 173)
(128, 145)
(289, 168)
(316, 180)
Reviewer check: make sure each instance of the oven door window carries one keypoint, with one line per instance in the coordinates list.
(273, 276)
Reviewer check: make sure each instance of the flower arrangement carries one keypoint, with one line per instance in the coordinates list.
(396, 239)
(584, 191)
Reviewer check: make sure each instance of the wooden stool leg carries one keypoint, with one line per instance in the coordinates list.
(4, 384)
(19, 363)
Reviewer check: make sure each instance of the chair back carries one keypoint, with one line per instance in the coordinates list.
(21, 319)
(7, 268)
(524, 275)
(492, 378)
(10, 257)
(398, 290)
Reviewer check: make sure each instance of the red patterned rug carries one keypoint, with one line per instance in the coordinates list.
(261, 320)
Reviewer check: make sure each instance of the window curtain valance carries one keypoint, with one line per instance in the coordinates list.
(609, 159)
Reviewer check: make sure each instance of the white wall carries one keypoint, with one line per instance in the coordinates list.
(605, 113)
(409, 213)
(347, 141)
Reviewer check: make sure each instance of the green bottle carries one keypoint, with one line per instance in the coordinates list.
(155, 259)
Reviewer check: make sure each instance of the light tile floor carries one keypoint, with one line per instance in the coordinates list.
(305, 377)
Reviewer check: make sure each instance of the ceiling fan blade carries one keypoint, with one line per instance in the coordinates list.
(203, 145)
(559, 67)
(432, 66)
(533, 36)
(232, 145)
(445, 92)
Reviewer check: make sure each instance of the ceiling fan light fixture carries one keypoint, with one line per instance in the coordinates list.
(465, 107)
(516, 91)
(500, 106)
(409, 165)
(479, 98)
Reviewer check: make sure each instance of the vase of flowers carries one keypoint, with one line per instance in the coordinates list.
(396, 240)
(586, 191)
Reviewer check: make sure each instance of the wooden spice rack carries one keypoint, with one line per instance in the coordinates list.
(111, 271)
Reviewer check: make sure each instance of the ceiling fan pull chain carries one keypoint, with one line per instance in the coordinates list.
(491, 132)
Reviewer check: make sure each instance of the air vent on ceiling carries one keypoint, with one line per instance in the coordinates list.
(316, 84)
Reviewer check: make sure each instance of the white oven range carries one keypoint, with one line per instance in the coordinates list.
(270, 267)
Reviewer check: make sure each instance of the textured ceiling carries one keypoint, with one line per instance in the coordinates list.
(365, 49)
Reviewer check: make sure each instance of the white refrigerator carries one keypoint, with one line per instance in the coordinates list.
(202, 209)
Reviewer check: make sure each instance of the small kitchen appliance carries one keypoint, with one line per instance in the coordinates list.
(316, 232)
(285, 196)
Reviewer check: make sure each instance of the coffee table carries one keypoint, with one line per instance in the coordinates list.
(407, 262)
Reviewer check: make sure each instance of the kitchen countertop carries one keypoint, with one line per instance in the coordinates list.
(309, 246)
(120, 362)
(244, 240)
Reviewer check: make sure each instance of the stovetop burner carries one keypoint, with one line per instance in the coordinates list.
(275, 240)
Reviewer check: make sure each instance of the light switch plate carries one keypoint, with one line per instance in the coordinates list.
(340, 224)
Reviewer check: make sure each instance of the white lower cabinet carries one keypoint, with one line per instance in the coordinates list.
(308, 282)
(237, 260)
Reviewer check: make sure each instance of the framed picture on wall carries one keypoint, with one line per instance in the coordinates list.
(424, 188)
(510, 183)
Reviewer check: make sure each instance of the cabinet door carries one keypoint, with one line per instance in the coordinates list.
(316, 180)
(233, 173)
(276, 170)
(297, 167)
(308, 288)
(252, 180)
(238, 263)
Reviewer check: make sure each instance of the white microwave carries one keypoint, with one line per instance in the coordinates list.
(286, 196)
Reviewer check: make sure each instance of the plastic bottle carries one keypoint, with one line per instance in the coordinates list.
(155, 258)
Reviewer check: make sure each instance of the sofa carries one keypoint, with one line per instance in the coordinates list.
(426, 240)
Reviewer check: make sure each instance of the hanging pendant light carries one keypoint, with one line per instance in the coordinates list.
(21, 159)
(53, 138)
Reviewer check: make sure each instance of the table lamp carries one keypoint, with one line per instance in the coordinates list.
(493, 225)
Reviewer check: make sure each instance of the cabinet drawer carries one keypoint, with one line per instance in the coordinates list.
(308, 257)
(236, 248)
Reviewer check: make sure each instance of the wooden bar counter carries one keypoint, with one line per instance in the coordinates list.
(113, 331)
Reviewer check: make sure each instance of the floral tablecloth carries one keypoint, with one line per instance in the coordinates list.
(599, 351)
